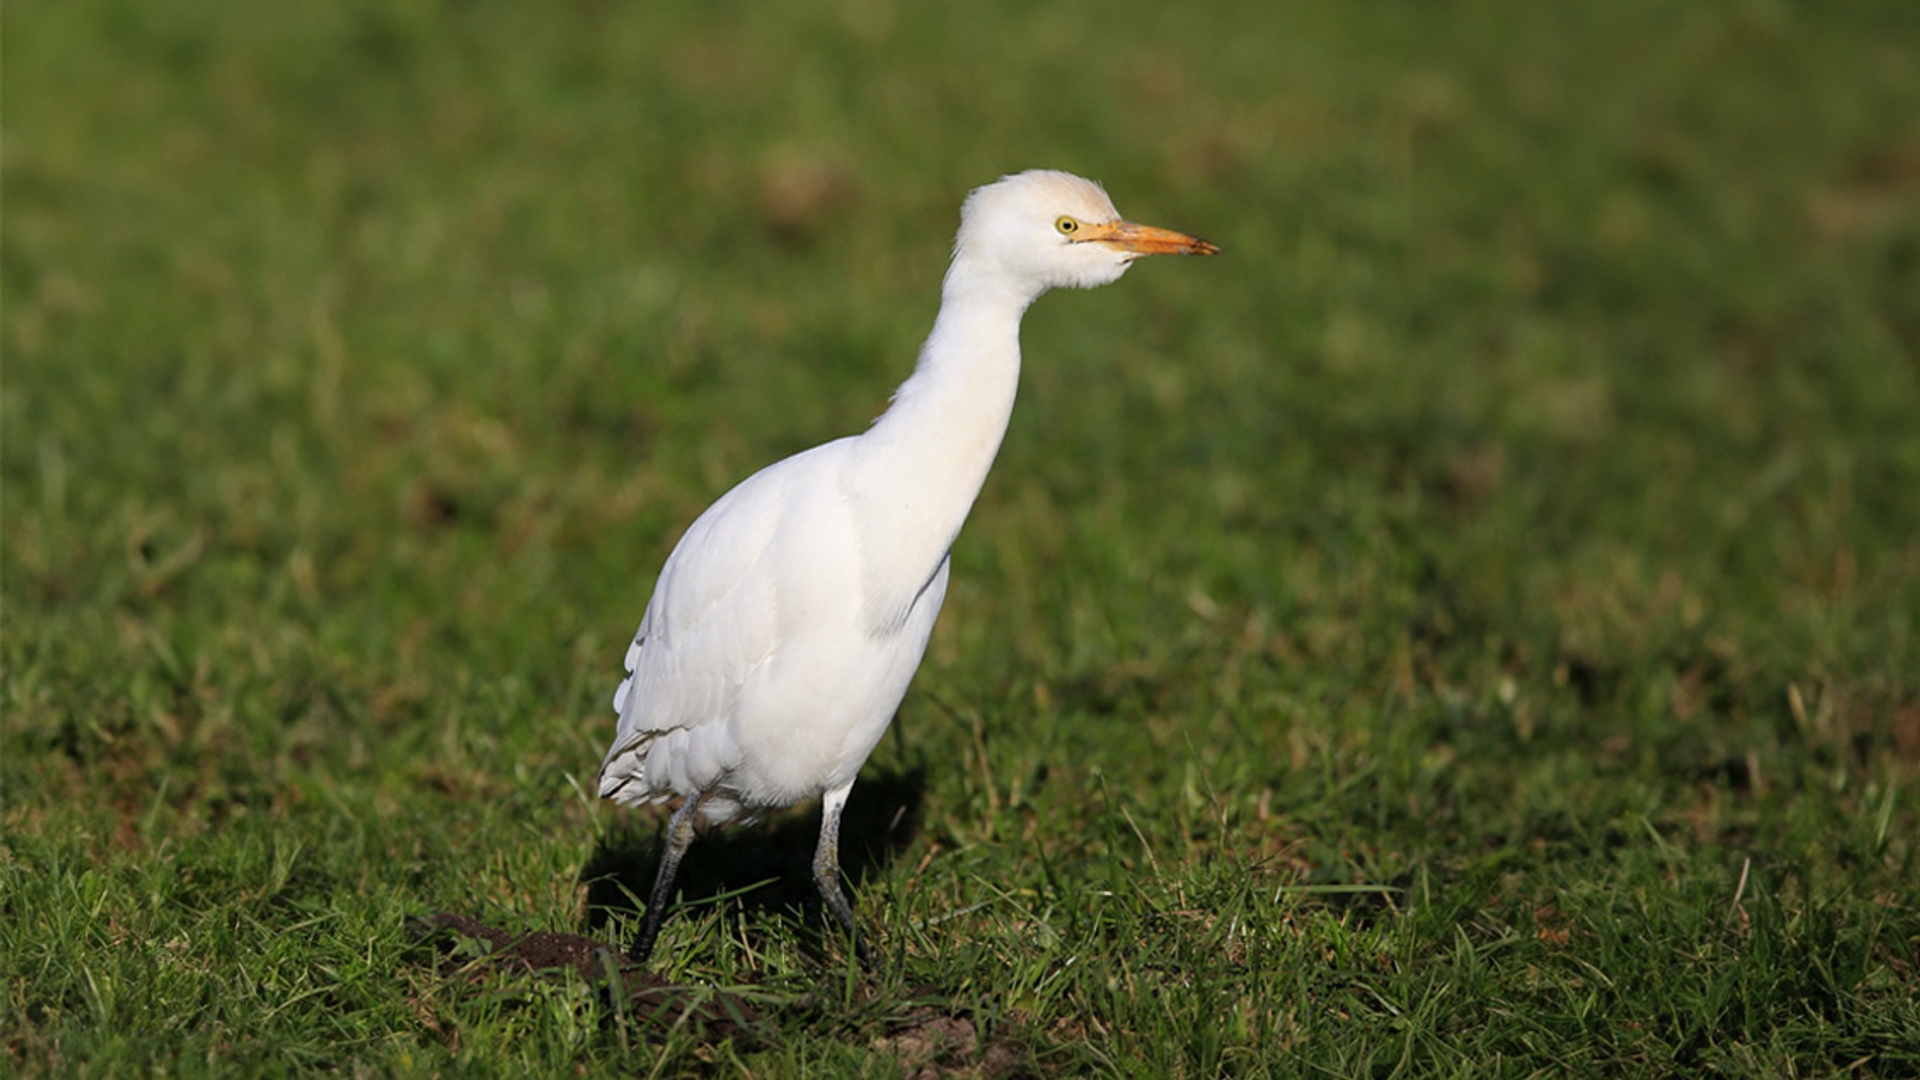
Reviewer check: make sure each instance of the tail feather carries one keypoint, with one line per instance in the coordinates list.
(623, 776)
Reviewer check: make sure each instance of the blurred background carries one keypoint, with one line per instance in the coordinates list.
(394, 341)
(1543, 446)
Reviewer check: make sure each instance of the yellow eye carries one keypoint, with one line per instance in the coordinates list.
(1066, 225)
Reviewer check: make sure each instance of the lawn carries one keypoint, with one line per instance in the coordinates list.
(1466, 628)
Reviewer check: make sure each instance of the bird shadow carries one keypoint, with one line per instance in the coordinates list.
(766, 867)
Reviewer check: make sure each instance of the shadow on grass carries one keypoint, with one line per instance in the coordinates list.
(765, 867)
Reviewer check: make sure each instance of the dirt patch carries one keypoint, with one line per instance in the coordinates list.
(932, 1045)
(929, 1042)
(653, 1001)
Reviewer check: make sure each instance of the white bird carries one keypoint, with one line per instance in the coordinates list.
(788, 621)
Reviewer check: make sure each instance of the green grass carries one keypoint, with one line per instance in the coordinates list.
(1467, 628)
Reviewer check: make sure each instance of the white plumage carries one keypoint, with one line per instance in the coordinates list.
(788, 621)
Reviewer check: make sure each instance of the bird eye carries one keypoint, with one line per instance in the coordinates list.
(1066, 225)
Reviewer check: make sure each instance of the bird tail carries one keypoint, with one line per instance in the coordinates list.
(623, 776)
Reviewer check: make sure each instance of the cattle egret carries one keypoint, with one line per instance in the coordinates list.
(785, 626)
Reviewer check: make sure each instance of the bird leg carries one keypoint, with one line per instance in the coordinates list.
(679, 836)
(826, 868)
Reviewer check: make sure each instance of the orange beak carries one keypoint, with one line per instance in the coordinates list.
(1145, 239)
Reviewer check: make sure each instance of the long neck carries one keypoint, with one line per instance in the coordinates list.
(938, 439)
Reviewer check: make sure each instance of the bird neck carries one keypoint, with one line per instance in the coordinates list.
(946, 421)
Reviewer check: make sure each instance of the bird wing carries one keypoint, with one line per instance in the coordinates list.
(712, 622)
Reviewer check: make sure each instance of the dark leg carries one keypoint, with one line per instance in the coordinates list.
(826, 868)
(679, 836)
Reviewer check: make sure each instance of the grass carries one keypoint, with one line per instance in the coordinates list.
(1468, 628)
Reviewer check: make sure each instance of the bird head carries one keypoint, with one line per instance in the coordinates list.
(1044, 229)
